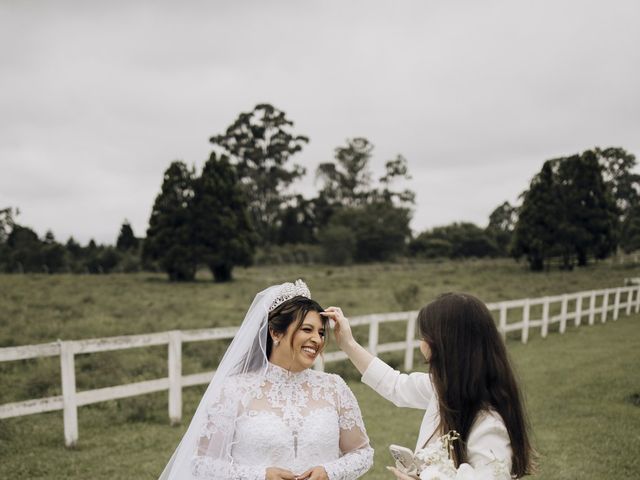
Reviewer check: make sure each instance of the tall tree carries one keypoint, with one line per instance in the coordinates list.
(126, 239)
(567, 212)
(260, 144)
(535, 232)
(224, 236)
(590, 215)
(170, 234)
(347, 181)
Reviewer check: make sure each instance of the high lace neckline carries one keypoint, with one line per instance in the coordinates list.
(276, 374)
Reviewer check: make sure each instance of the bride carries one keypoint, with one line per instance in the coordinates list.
(266, 414)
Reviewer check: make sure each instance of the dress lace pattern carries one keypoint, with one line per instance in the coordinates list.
(294, 421)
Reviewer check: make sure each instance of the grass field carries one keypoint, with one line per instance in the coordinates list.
(582, 387)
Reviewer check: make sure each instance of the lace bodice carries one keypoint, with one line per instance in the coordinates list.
(294, 421)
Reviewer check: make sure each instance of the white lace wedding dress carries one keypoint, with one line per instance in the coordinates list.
(294, 421)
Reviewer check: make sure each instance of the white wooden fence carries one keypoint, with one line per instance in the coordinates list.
(581, 306)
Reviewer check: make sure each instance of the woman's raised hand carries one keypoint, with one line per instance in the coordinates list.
(344, 338)
(341, 329)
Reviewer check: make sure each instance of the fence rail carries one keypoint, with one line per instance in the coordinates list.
(579, 306)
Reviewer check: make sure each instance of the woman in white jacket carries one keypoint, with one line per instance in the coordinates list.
(470, 387)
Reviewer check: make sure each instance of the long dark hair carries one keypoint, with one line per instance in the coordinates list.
(471, 372)
(293, 310)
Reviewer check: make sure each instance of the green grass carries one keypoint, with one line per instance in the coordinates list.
(578, 385)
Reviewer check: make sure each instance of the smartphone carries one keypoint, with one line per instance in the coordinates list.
(402, 455)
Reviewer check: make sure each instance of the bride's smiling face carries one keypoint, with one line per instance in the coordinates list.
(298, 348)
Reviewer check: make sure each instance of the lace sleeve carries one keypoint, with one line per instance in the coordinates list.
(213, 458)
(356, 453)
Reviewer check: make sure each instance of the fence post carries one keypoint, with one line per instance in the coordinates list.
(605, 306)
(69, 404)
(373, 337)
(638, 299)
(411, 333)
(525, 320)
(616, 304)
(592, 308)
(175, 377)
(545, 318)
(578, 318)
(503, 320)
(629, 300)
(563, 313)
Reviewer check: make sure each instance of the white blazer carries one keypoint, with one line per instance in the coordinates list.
(488, 446)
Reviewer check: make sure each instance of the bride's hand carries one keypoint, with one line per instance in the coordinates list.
(342, 329)
(275, 473)
(315, 473)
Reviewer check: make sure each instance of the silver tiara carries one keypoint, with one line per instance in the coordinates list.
(288, 291)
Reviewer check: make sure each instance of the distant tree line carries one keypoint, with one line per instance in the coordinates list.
(240, 209)
(22, 251)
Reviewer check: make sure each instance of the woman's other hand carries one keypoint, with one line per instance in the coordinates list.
(315, 473)
(275, 473)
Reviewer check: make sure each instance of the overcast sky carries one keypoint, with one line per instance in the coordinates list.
(97, 98)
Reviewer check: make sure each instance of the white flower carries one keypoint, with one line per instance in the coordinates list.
(465, 472)
(432, 472)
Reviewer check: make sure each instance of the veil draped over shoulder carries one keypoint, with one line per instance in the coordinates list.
(247, 353)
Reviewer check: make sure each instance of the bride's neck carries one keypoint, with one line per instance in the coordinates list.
(285, 364)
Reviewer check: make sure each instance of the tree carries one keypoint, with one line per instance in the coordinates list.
(630, 232)
(380, 230)
(347, 181)
(260, 144)
(24, 251)
(534, 234)
(590, 215)
(457, 240)
(224, 236)
(126, 239)
(170, 238)
(502, 222)
(298, 222)
(569, 212)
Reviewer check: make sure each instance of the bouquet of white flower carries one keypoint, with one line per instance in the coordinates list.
(433, 462)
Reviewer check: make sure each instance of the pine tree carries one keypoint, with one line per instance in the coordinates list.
(224, 236)
(170, 238)
(535, 232)
(126, 239)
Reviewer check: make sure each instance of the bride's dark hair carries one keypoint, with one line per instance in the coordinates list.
(471, 372)
(295, 309)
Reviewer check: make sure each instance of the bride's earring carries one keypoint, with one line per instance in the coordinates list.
(276, 343)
